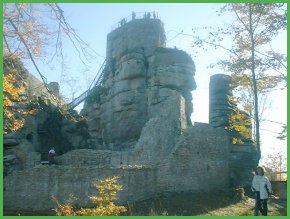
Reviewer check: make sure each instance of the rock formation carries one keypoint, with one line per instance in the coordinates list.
(51, 125)
(138, 128)
(219, 107)
(142, 80)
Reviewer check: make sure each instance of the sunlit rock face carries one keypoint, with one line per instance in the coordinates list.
(142, 80)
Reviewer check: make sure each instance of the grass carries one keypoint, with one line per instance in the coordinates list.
(211, 204)
(220, 203)
(276, 207)
(242, 208)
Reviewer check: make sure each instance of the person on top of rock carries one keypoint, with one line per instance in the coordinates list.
(133, 15)
(261, 186)
(148, 15)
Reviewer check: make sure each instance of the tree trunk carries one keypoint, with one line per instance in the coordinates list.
(256, 116)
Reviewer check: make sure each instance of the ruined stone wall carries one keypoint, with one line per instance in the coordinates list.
(40, 184)
(198, 162)
(152, 148)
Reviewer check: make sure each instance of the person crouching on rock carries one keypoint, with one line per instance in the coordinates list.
(51, 155)
(261, 186)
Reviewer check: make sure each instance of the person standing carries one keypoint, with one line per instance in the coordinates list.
(51, 155)
(261, 186)
(133, 15)
(148, 15)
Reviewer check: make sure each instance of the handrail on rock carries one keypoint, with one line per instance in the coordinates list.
(96, 82)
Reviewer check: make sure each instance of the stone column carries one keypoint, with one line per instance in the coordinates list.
(219, 107)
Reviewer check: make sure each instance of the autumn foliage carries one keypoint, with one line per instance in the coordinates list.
(107, 194)
(14, 99)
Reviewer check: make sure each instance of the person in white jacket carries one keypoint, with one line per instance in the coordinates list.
(262, 188)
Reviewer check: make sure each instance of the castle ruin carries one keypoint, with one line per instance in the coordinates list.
(137, 127)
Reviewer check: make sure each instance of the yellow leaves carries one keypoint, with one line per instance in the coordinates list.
(66, 210)
(110, 210)
(30, 112)
(107, 191)
(13, 95)
(239, 122)
(9, 87)
(24, 29)
(240, 79)
(248, 107)
(237, 141)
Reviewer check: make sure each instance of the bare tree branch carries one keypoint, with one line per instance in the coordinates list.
(44, 80)
(7, 45)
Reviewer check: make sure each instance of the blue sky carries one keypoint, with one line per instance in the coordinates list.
(94, 21)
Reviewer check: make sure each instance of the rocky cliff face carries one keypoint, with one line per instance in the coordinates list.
(51, 125)
(142, 80)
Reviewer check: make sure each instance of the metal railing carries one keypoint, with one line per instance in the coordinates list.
(99, 76)
(133, 16)
(96, 82)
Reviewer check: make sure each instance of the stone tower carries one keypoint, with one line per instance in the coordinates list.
(219, 107)
(138, 33)
(142, 80)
